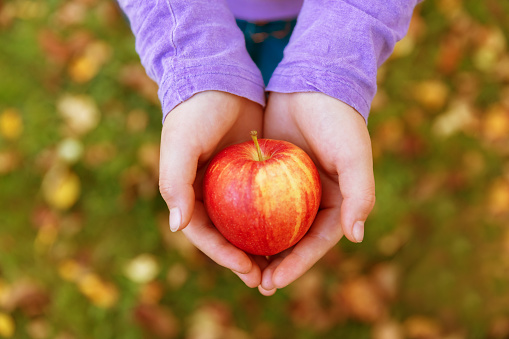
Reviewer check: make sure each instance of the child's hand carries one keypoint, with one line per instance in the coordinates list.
(192, 133)
(336, 138)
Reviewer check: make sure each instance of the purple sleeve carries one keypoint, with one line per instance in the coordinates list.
(337, 47)
(190, 46)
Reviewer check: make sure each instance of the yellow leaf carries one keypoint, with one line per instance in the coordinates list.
(100, 293)
(61, 188)
(7, 327)
(431, 93)
(496, 123)
(11, 125)
(142, 269)
(80, 112)
(421, 327)
(83, 69)
(499, 197)
(70, 270)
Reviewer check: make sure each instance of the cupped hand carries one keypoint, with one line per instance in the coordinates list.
(336, 138)
(192, 133)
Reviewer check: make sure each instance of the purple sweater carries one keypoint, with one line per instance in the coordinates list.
(190, 46)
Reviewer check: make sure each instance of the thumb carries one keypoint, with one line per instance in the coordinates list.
(357, 185)
(177, 173)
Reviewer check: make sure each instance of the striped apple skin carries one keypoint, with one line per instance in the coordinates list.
(262, 207)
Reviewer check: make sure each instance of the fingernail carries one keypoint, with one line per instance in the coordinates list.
(358, 231)
(175, 219)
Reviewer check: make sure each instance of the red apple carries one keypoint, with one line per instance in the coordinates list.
(262, 196)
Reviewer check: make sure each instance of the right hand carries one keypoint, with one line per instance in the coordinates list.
(192, 134)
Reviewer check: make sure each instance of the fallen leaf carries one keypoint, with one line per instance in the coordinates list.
(96, 155)
(80, 113)
(86, 66)
(11, 125)
(38, 329)
(491, 46)
(362, 300)
(71, 13)
(386, 277)
(100, 293)
(134, 77)
(431, 94)
(53, 46)
(498, 197)
(158, 320)
(137, 121)
(9, 161)
(61, 187)
(387, 329)
(148, 156)
(142, 269)
(496, 123)
(71, 270)
(70, 150)
(420, 327)
(177, 276)
(46, 237)
(499, 327)
(459, 117)
(152, 292)
(209, 322)
(7, 327)
(26, 296)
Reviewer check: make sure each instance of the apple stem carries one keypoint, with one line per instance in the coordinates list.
(255, 140)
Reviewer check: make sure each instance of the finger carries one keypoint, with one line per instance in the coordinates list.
(202, 234)
(323, 235)
(253, 278)
(268, 272)
(357, 185)
(177, 172)
(265, 292)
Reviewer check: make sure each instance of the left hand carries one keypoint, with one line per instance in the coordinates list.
(336, 137)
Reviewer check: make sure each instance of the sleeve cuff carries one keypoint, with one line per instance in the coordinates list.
(302, 79)
(228, 79)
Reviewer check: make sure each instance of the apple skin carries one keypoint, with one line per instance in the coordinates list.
(262, 207)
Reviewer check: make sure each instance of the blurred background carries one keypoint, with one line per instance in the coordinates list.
(85, 248)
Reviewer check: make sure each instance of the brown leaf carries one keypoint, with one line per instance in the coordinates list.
(134, 77)
(386, 277)
(98, 154)
(157, 320)
(148, 156)
(9, 161)
(499, 328)
(26, 296)
(38, 329)
(71, 13)
(420, 327)
(177, 276)
(362, 300)
(152, 292)
(53, 46)
(137, 121)
(388, 329)
(498, 196)
(210, 321)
